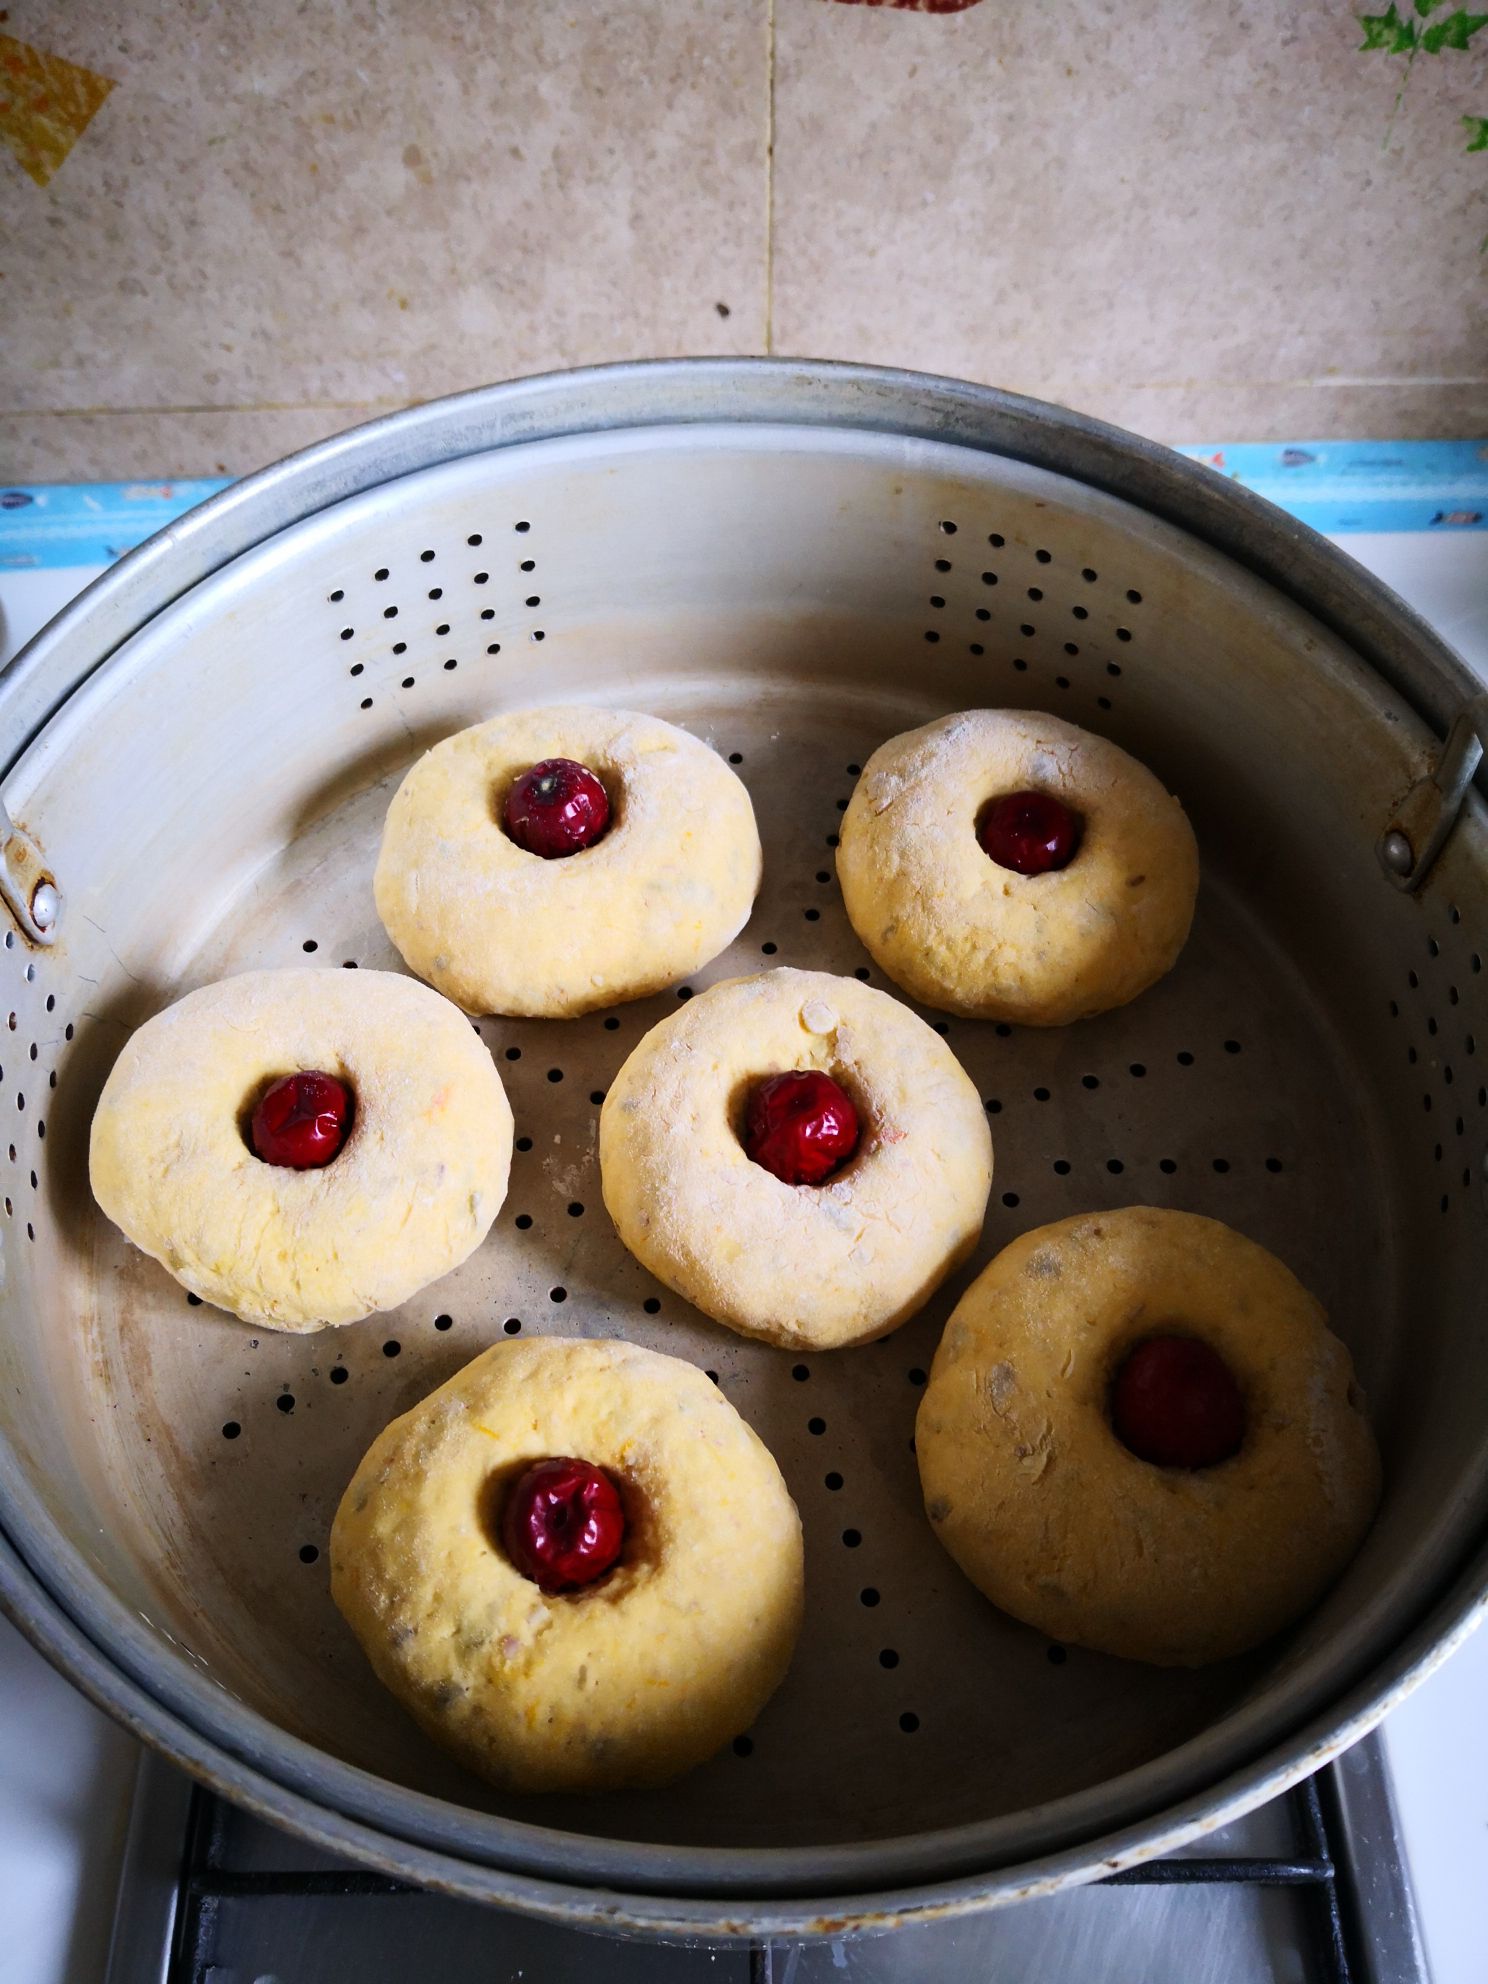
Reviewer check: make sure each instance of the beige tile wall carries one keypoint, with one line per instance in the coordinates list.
(1179, 216)
(285, 218)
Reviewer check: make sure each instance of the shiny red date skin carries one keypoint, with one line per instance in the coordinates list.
(1175, 1403)
(556, 809)
(801, 1127)
(301, 1122)
(563, 1525)
(1032, 833)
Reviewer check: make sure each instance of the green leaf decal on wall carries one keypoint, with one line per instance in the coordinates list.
(1389, 34)
(1456, 31)
(1388, 31)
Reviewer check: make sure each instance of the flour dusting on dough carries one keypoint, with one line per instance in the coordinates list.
(966, 936)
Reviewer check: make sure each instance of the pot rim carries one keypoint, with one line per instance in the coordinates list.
(58, 1638)
(67, 1607)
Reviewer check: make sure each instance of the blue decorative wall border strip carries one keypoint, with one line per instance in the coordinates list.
(1336, 486)
(46, 525)
(1343, 486)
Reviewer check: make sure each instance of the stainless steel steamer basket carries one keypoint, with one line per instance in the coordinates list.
(795, 561)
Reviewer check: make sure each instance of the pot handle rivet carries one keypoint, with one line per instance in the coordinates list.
(1427, 814)
(1397, 853)
(28, 891)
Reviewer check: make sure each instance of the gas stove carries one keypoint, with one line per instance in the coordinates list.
(1310, 1889)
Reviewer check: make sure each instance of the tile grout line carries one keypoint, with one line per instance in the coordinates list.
(386, 403)
(215, 406)
(769, 178)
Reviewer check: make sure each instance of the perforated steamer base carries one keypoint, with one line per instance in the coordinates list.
(212, 800)
(904, 1673)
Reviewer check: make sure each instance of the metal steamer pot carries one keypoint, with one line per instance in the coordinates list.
(794, 561)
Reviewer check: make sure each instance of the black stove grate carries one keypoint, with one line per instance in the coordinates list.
(207, 1884)
(1313, 1869)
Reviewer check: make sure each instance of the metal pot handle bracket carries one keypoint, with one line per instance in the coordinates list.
(30, 893)
(1428, 812)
